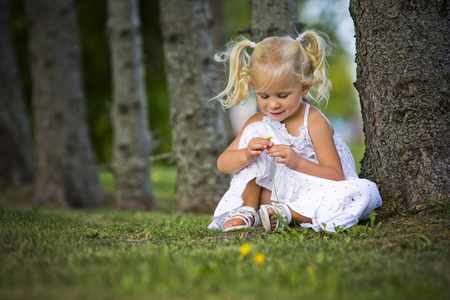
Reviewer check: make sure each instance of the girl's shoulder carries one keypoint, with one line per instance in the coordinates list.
(317, 119)
(253, 119)
(259, 116)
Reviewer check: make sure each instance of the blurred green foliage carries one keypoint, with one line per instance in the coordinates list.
(92, 17)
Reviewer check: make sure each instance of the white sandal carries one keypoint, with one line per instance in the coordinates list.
(281, 209)
(245, 213)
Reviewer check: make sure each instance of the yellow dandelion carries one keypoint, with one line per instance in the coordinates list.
(269, 138)
(245, 249)
(259, 258)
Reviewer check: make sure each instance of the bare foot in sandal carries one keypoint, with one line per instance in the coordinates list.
(268, 218)
(270, 221)
(234, 223)
(241, 217)
(273, 219)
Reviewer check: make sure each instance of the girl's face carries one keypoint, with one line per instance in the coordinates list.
(280, 100)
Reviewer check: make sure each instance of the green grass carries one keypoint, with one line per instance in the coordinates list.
(50, 253)
(105, 254)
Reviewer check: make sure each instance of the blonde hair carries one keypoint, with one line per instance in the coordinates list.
(305, 59)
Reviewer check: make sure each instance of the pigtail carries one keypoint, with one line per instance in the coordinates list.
(238, 85)
(313, 47)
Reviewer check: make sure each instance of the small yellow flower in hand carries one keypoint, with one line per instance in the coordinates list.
(245, 249)
(259, 258)
(269, 138)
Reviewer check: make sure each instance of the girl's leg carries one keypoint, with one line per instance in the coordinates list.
(298, 218)
(265, 197)
(251, 198)
(252, 194)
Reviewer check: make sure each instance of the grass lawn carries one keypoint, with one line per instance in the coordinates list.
(54, 253)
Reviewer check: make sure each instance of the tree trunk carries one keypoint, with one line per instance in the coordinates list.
(16, 148)
(403, 80)
(274, 18)
(131, 136)
(218, 31)
(197, 134)
(66, 173)
(219, 38)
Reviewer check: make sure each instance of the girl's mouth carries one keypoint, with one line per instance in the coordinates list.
(276, 113)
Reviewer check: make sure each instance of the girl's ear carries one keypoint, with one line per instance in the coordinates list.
(306, 87)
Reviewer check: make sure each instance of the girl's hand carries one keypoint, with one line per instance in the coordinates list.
(256, 146)
(286, 154)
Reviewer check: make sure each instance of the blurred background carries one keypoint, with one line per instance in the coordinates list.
(329, 16)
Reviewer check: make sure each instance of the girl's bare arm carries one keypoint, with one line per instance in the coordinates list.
(232, 160)
(321, 134)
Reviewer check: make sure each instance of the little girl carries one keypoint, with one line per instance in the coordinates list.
(287, 159)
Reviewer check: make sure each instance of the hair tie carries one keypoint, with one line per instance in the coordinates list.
(252, 45)
(300, 38)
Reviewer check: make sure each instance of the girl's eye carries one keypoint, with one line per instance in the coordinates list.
(282, 96)
(264, 96)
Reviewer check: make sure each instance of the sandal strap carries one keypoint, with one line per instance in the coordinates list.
(245, 213)
(284, 211)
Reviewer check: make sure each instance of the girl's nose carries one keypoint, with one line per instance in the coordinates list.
(274, 104)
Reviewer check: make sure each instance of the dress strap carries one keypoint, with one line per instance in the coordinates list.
(305, 118)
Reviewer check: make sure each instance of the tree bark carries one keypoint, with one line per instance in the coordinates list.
(274, 18)
(133, 189)
(218, 32)
(403, 80)
(219, 38)
(197, 134)
(66, 173)
(16, 147)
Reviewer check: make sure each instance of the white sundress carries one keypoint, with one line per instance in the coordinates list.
(328, 203)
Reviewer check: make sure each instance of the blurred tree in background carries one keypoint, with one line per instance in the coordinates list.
(198, 132)
(274, 18)
(66, 173)
(16, 146)
(132, 141)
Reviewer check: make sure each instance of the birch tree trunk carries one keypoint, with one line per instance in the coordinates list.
(16, 147)
(274, 18)
(219, 38)
(66, 173)
(131, 136)
(403, 82)
(197, 134)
